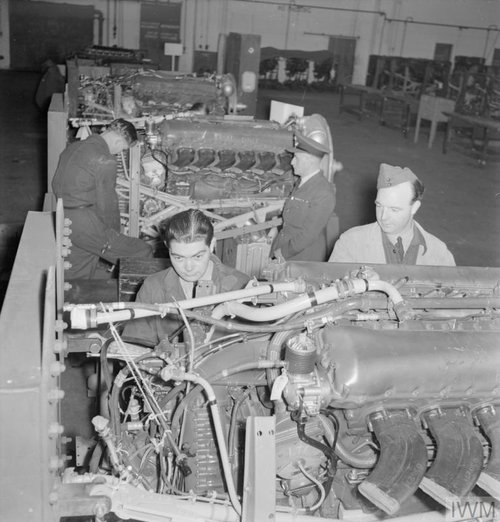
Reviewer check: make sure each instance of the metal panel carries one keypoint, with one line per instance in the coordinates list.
(24, 438)
(260, 464)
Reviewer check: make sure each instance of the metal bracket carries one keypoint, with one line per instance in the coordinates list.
(259, 492)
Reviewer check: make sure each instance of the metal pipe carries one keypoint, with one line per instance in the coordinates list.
(108, 18)
(374, 11)
(101, 425)
(403, 38)
(256, 365)
(309, 300)
(287, 28)
(167, 375)
(115, 19)
(100, 22)
(344, 454)
(439, 24)
(381, 36)
(87, 316)
(490, 27)
(329, 8)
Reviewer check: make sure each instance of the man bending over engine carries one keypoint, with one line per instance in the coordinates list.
(395, 238)
(195, 271)
(85, 180)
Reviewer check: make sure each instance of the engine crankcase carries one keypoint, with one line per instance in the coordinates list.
(396, 368)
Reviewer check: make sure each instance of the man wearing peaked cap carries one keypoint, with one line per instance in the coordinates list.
(310, 145)
(310, 225)
(395, 238)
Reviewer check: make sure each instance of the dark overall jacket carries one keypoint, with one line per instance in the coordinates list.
(165, 287)
(85, 180)
(310, 225)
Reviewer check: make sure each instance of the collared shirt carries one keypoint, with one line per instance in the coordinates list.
(392, 256)
(190, 289)
(303, 179)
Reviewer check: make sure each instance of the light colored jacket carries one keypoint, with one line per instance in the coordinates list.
(364, 245)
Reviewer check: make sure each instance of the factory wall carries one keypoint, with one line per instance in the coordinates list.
(407, 28)
(4, 35)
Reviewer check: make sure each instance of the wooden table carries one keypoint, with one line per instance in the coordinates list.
(383, 100)
(488, 127)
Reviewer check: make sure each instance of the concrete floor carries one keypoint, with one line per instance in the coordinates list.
(461, 204)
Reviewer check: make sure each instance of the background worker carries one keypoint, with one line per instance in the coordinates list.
(195, 272)
(395, 238)
(85, 179)
(52, 81)
(310, 224)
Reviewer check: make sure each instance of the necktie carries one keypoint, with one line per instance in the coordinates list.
(193, 292)
(399, 249)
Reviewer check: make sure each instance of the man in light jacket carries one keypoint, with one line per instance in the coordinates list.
(395, 238)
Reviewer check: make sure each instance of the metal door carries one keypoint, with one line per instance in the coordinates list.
(343, 51)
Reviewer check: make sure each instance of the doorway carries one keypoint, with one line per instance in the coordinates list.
(343, 50)
(160, 24)
(442, 52)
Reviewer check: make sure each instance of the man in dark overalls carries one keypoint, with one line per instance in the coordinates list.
(85, 179)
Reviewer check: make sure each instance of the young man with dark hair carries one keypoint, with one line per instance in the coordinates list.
(85, 179)
(395, 238)
(195, 270)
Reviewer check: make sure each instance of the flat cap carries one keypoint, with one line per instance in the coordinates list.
(389, 176)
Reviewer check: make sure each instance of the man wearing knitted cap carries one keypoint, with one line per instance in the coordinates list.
(310, 224)
(395, 238)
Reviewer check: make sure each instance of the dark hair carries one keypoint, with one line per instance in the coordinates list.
(418, 190)
(187, 226)
(125, 128)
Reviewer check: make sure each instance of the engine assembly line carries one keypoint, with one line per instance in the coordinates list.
(323, 391)
(194, 151)
(320, 391)
(249, 261)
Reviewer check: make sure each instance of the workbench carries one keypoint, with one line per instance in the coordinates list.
(385, 102)
(487, 126)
